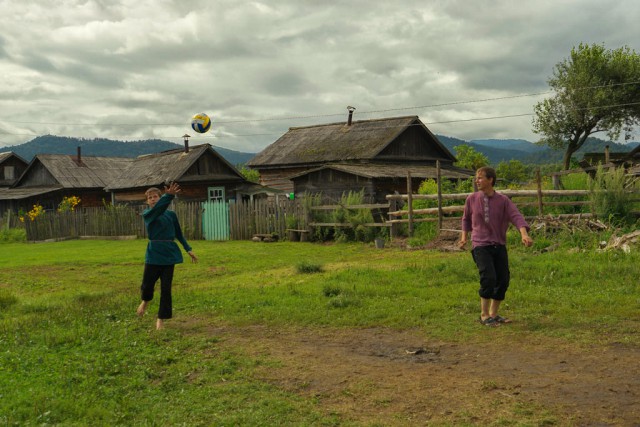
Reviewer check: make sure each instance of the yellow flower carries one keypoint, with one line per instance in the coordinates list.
(35, 212)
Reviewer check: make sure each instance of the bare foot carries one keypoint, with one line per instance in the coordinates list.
(159, 324)
(142, 308)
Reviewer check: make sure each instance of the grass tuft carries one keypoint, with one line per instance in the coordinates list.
(306, 267)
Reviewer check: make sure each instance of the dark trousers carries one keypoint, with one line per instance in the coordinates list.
(493, 266)
(151, 275)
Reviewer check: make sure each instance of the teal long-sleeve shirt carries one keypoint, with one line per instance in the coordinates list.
(163, 228)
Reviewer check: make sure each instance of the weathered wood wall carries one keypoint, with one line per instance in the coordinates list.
(280, 179)
(332, 184)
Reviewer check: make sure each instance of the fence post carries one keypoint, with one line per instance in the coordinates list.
(410, 201)
(539, 185)
(393, 230)
(439, 177)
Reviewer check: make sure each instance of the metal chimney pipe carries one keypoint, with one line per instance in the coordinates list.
(351, 110)
(186, 142)
(79, 157)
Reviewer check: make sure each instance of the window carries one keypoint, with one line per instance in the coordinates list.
(216, 194)
(9, 172)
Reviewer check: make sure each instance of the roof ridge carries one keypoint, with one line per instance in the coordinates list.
(384, 119)
(204, 146)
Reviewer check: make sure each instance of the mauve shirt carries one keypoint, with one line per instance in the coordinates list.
(490, 228)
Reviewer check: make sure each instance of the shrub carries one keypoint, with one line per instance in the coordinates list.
(610, 200)
(13, 235)
(356, 218)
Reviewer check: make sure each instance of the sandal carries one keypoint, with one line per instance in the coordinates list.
(501, 319)
(489, 321)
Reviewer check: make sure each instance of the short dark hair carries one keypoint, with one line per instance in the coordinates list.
(489, 173)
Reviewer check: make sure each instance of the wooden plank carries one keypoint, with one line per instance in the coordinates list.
(428, 211)
(348, 224)
(365, 206)
(508, 193)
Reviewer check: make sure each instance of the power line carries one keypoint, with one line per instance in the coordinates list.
(210, 136)
(330, 115)
(444, 104)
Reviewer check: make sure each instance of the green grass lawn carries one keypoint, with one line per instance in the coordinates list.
(72, 351)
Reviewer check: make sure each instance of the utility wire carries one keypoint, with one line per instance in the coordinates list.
(211, 136)
(445, 104)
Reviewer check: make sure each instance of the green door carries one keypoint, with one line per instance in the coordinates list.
(215, 218)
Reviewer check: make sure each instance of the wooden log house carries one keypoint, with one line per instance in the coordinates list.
(370, 155)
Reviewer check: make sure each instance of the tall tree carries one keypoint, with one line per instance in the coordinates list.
(469, 158)
(596, 90)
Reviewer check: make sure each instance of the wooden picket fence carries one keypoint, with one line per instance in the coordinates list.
(246, 219)
(265, 217)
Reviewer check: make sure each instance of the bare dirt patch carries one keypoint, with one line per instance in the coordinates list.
(389, 377)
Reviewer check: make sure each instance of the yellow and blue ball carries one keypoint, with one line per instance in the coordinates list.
(201, 123)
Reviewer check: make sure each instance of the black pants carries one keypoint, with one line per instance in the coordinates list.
(493, 266)
(151, 275)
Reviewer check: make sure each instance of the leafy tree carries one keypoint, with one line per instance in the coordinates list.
(251, 175)
(512, 171)
(469, 158)
(597, 90)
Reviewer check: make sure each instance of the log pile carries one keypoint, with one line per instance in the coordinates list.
(624, 242)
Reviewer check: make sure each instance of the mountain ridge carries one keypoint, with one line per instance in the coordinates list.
(496, 150)
(102, 147)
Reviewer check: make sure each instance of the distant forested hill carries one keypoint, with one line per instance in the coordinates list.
(50, 144)
(498, 150)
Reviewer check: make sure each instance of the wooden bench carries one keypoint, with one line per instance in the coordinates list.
(297, 235)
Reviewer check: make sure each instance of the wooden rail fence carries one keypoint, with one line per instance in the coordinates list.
(265, 217)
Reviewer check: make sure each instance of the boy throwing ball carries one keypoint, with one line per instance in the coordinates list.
(162, 252)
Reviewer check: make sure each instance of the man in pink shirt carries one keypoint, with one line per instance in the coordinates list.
(487, 215)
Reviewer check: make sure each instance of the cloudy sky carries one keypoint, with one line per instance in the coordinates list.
(139, 69)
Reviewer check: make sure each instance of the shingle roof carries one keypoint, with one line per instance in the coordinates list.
(5, 155)
(95, 172)
(154, 169)
(24, 192)
(362, 140)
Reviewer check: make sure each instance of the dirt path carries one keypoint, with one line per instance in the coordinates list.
(387, 377)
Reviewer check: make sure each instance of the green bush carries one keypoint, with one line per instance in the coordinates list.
(357, 231)
(13, 235)
(610, 200)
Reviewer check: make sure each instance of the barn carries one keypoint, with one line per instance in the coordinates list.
(374, 156)
(203, 175)
(51, 177)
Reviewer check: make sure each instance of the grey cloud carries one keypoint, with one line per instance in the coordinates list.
(255, 60)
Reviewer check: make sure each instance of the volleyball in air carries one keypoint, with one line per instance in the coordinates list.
(201, 123)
